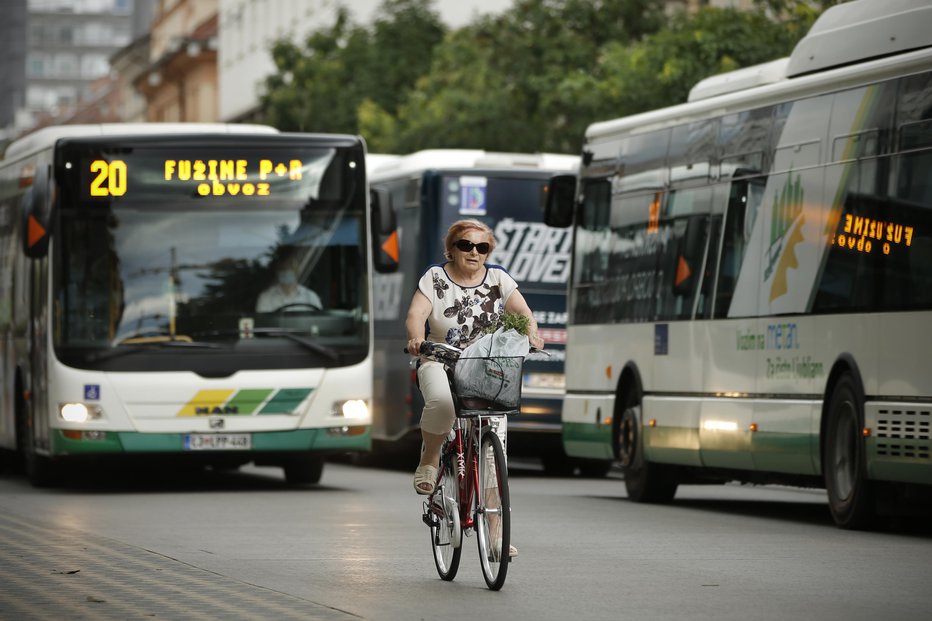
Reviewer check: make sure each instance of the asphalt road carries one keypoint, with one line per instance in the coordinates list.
(211, 545)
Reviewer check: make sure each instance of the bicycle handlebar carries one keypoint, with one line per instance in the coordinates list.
(448, 352)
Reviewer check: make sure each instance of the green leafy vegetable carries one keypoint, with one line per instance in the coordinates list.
(512, 321)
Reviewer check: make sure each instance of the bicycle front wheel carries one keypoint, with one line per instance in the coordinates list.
(493, 511)
(446, 535)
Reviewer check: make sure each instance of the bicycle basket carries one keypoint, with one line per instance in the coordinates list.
(493, 378)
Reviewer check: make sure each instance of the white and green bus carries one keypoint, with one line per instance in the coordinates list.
(751, 290)
(134, 257)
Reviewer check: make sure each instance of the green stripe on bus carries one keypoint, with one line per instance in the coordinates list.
(248, 401)
(587, 440)
(285, 401)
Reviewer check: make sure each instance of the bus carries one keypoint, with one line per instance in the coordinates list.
(426, 192)
(751, 289)
(197, 292)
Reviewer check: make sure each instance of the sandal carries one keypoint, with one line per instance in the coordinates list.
(512, 551)
(425, 478)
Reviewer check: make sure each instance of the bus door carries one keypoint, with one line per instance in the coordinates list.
(729, 359)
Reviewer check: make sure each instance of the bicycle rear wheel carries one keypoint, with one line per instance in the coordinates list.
(493, 513)
(446, 534)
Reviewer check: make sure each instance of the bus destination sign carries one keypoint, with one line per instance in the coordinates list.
(207, 177)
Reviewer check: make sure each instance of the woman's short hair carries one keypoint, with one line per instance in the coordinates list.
(458, 228)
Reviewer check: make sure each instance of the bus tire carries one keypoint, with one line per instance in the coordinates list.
(645, 482)
(844, 458)
(304, 470)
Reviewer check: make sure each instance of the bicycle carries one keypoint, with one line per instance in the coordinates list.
(471, 492)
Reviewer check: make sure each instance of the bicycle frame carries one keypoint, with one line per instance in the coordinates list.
(466, 453)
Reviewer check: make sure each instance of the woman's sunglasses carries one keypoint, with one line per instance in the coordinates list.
(466, 246)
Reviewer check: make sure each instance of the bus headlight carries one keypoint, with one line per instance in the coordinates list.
(78, 412)
(353, 408)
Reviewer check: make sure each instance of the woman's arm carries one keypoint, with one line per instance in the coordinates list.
(518, 305)
(418, 312)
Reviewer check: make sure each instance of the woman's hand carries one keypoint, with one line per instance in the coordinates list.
(536, 342)
(414, 346)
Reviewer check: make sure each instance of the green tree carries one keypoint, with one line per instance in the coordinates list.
(660, 70)
(489, 84)
(320, 86)
(529, 79)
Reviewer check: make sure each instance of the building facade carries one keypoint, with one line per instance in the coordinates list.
(62, 50)
(69, 43)
(12, 65)
(180, 81)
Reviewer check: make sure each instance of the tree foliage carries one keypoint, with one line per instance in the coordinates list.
(321, 85)
(528, 79)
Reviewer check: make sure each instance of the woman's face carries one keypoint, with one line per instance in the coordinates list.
(470, 261)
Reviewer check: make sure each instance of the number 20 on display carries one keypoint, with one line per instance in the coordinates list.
(110, 179)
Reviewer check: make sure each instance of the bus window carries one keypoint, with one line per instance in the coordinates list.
(880, 256)
(907, 244)
(744, 202)
(742, 139)
(642, 161)
(682, 261)
(692, 147)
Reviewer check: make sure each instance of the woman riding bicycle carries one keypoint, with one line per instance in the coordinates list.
(458, 301)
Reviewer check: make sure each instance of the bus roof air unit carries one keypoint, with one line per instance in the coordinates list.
(844, 34)
(857, 31)
(739, 80)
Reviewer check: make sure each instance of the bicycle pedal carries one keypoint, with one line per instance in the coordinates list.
(427, 517)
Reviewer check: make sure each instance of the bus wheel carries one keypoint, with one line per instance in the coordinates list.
(844, 463)
(304, 470)
(644, 481)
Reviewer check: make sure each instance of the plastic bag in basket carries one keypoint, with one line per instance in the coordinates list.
(490, 368)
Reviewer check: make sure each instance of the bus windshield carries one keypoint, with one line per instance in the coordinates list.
(211, 259)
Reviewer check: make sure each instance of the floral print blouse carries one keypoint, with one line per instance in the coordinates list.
(460, 315)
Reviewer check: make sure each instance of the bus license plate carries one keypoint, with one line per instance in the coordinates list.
(218, 442)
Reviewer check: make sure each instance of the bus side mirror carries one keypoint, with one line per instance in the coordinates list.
(384, 231)
(37, 215)
(561, 201)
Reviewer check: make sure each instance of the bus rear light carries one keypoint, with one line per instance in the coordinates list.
(866, 432)
(78, 412)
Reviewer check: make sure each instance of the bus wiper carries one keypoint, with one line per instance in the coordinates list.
(123, 349)
(292, 335)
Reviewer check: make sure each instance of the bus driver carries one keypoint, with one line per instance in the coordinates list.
(287, 293)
